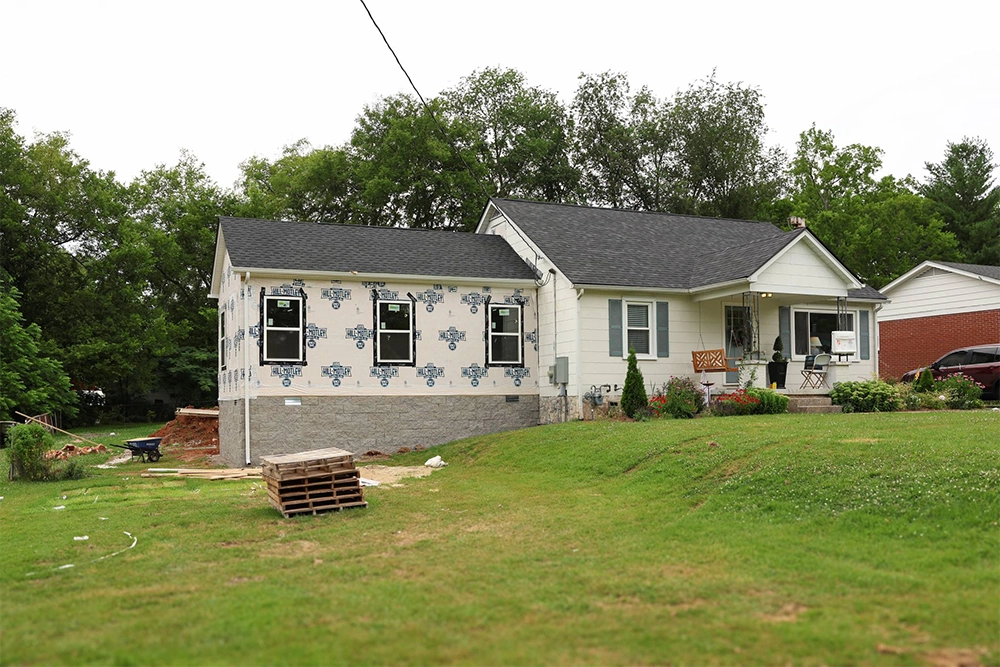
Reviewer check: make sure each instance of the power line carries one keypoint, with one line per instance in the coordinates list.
(426, 106)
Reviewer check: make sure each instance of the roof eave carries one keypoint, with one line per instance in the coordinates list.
(405, 277)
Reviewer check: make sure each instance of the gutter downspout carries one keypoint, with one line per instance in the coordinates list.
(246, 365)
(877, 336)
(579, 354)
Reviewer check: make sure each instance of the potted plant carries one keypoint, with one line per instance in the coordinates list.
(777, 368)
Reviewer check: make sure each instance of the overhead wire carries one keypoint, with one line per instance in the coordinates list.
(427, 107)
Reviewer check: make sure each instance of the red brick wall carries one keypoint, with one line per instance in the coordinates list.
(912, 343)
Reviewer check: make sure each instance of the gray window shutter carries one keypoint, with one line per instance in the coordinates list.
(662, 329)
(615, 327)
(864, 348)
(785, 330)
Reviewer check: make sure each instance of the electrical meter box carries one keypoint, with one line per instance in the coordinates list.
(559, 374)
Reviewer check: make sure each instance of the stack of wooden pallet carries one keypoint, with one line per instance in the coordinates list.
(321, 480)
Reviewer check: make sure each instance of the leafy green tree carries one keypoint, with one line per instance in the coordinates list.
(966, 197)
(176, 211)
(409, 173)
(879, 228)
(306, 183)
(519, 134)
(634, 396)
(702, 152)
(33, 382)
(726, 167)
(622, 144)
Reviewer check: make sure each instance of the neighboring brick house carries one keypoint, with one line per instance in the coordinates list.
(934, 308)
(380, 338)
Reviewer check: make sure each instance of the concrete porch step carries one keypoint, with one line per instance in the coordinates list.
(812, 404)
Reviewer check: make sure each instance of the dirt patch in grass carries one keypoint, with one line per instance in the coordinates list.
(788, 614)
(954, 657)
(389, 475)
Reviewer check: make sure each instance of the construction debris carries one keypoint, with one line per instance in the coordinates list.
(72, 450)
(205, 473)
(435, 462)
(312, 482)
(196, 412)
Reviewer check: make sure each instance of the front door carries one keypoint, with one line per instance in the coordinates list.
(737, 324)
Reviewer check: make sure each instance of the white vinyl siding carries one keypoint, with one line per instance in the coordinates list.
(937, 292)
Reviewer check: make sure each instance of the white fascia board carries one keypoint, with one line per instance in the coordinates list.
(220, 261)
(930, 264)
(630, 289)
(487, 219)
(342, 275)
(825, 254)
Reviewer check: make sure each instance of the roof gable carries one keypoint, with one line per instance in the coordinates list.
(973, 271)
(262, 245)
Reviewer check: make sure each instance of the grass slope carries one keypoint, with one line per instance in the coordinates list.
(828, 539)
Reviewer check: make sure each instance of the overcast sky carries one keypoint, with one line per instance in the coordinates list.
(135, 82)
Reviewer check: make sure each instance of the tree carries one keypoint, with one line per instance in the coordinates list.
(306, 184)
(410, 174)
(519, 134)
(878, 228)
(964, 193)
(702, 152)
(622, 144)
(176, 210)
(634, 396)
(726, 168)
(33, 382)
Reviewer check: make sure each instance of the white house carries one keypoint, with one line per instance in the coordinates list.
(934, 308)
(373, 338)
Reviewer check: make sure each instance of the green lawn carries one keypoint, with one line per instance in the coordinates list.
(792, 539)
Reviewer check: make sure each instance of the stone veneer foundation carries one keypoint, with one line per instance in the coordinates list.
(363, 423)
(557, 409)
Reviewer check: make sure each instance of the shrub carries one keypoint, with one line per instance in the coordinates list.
(867, 396)
(770, 401)
(634, 392)
(925, 381)
(961, 392)
(740, 402)
(28, 444)
(680, 398)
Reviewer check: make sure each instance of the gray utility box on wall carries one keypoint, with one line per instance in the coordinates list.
(559, 374)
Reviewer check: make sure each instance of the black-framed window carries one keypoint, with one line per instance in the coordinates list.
(505, 343)
(283, 324)
(222, 339)
(394, 327)
(814, 331)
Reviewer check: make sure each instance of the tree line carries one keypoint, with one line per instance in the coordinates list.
(106, 282)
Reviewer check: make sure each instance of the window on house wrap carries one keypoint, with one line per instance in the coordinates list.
(283, 328)
(506, 327)
(222, 339)
(394, 324)
(638, 328)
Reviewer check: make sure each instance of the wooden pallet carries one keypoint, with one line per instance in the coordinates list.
(321, 480)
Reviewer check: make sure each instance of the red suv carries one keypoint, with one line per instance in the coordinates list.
(980, 362)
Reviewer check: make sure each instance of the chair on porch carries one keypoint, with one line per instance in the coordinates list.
(814, 376)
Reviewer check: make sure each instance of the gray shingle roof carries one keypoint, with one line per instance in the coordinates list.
(984, 270)
(311, 247)
(599, 246)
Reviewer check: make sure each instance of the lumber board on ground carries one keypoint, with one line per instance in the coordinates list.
(197, 412)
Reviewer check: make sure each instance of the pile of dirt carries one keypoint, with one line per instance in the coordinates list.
(195, 433)
(74, 450)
